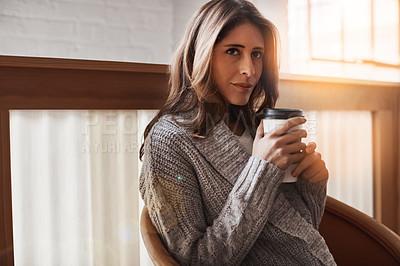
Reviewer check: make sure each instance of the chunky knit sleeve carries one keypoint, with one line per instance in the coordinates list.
(315, 197)
(170, 188)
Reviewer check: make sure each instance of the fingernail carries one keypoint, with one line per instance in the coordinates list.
(294, 174)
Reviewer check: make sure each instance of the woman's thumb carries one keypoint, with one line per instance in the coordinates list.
(260, 130)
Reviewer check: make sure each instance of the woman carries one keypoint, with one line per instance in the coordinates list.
(211, 179)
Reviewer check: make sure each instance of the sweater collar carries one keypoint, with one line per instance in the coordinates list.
(223, 150)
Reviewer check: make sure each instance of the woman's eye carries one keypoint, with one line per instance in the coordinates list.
(257, 55)
(232, 51)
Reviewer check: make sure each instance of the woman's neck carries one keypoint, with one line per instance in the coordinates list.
(236, 126)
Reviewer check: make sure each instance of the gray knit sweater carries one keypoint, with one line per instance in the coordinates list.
(212, 203)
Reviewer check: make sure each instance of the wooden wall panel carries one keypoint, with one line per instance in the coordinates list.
(33, 88)
(334, 94)
(385, 176)
(6, 225)
(397, 161)
(46, 83)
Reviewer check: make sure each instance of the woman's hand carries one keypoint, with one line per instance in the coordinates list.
(312, 167)
(280, 147)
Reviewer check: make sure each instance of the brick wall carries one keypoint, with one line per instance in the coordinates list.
(122, 30)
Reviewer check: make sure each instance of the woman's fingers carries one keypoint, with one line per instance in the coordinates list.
(281, 147)
(306, 162)
(296, 158)
(295, 147)
(260, 130)
(313, 169)
(293, 136)
(311, 147)
(289, 124)
(284, 162)
(321, 175)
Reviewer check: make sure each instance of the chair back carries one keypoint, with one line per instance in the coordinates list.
(158, 254)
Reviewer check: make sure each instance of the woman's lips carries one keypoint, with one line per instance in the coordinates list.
(243, 85)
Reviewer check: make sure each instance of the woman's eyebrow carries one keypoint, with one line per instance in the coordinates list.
(242, 46)
(234, 45)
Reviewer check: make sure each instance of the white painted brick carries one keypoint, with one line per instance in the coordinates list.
(99, 2)
(119, 36)
(52, 48)
(83, 12)
(48, 29)
(183, 11)
(141, 54)
(10, 25)
(36, 10)
(14, 45)
(155, 5)
(90, 51)
(35, 28)
(155, 37)
(11, 8)
(90, 33)
(31, 47)
(137, 17)
(126, 30)
(130, 16)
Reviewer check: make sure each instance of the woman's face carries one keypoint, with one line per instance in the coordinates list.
(237, 63)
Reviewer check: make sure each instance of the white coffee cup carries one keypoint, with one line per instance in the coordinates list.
(273, 118)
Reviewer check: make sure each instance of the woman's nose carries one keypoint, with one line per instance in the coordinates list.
(247, 67)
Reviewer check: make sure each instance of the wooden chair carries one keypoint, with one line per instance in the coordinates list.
(353, 237)
(158, 254)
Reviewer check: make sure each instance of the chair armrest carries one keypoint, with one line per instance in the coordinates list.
(158, 254)
(356, 238)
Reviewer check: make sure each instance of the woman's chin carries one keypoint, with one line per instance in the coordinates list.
(240, 103)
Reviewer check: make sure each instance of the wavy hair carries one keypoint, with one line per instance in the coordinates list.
(190, 84)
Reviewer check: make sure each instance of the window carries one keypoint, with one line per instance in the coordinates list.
(345, 38)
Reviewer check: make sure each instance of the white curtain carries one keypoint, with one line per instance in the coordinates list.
(75, 181)
(144, 117)
(344, 139)
(75, 187)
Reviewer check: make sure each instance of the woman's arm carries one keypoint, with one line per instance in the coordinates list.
(315, 197)
(170, 189)
(312, 181)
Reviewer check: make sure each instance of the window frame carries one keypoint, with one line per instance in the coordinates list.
(342, 60)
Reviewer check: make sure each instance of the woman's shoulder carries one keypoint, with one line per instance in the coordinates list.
(167, 138)
(171, 127)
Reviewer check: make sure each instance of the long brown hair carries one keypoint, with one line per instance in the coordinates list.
(190, 84)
